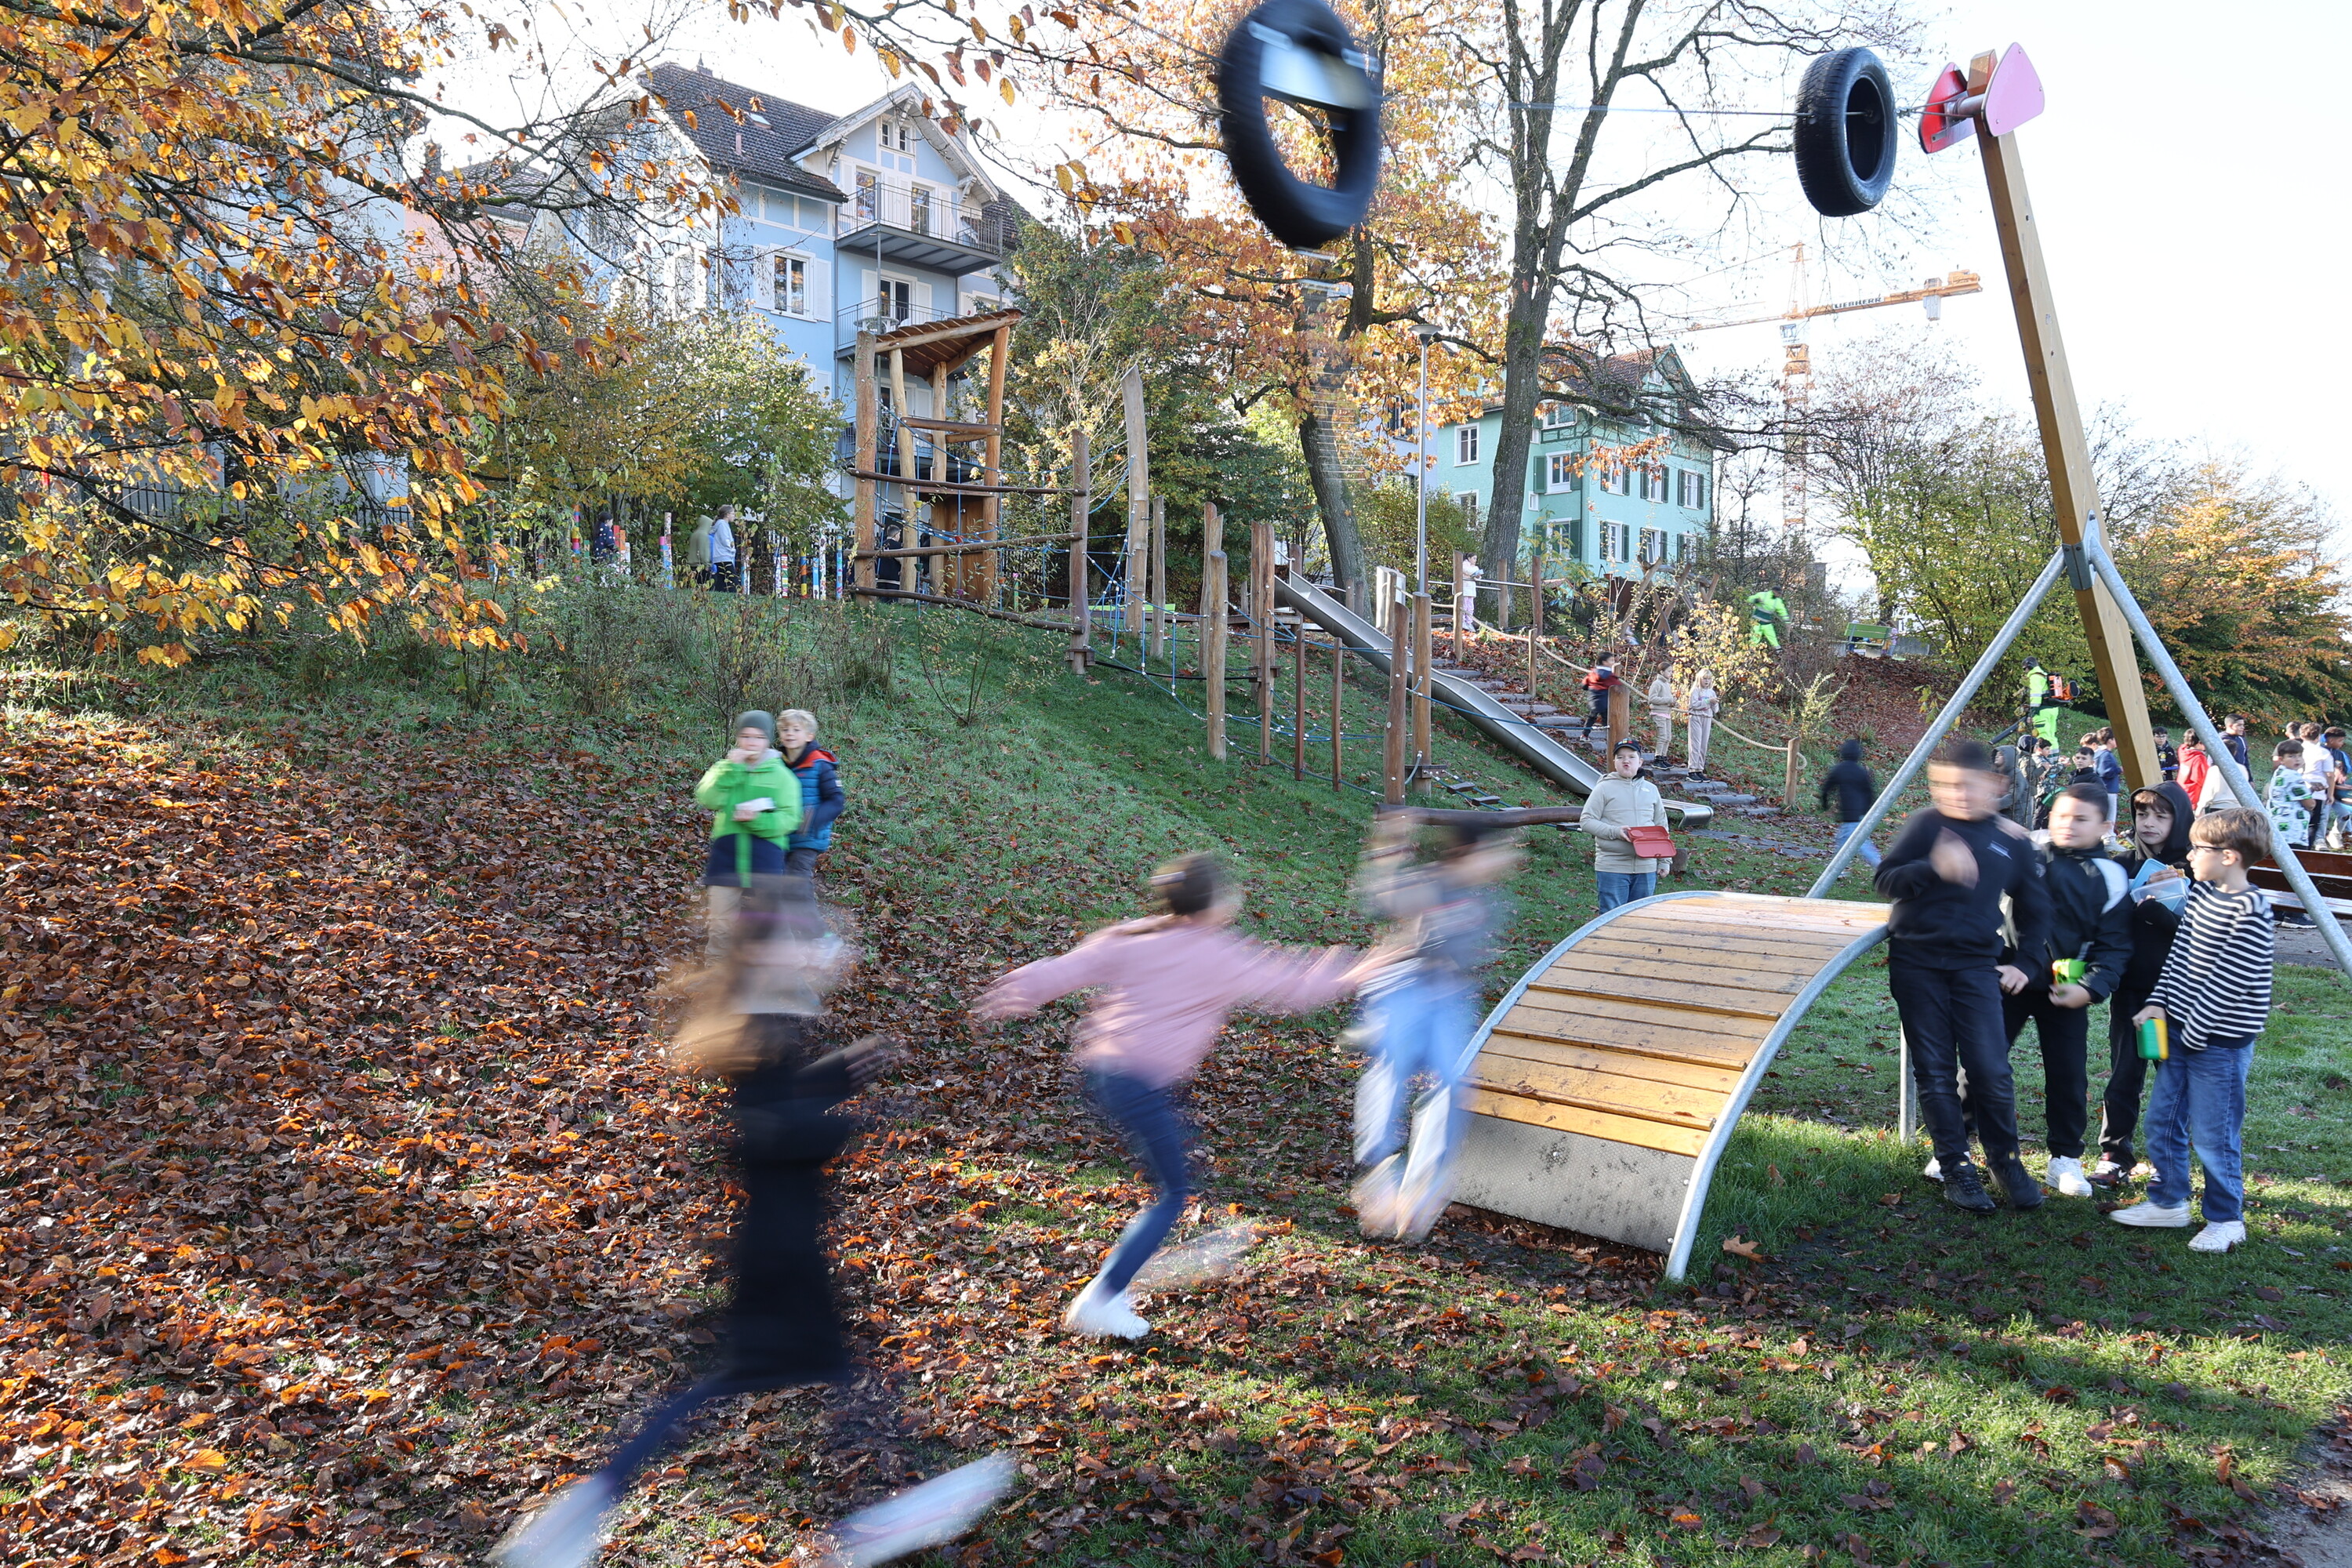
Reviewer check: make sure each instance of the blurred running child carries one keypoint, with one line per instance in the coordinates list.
(1856, 790)
(1420, 1012)
(1947, 873)
(821, 796)
(2157, 863)
(1599, 682)
(2080, 961)
(2214, 998)
(1167, 982)
(755, 1031)
(1623, 799)
(755, 804)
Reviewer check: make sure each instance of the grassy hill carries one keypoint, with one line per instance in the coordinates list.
(349, 1206)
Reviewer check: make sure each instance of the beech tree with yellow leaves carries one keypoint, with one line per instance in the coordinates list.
(229, 278)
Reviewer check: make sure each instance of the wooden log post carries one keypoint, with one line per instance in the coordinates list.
(1262, 637)
(1621, 714)
(1212, 542)
(1136, 592)
(1081, 504)
(1338, 687)
(1789, 780)
(1423, 612)
(1213, 647)
(1159, 578)
(868, 417)
(1298, 704)
(1393, 742)
(1000, 351)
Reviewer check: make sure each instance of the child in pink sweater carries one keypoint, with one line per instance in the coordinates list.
(1167, 982)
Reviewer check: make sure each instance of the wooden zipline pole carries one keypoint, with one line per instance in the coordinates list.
(1213, 649)
(1081, 504)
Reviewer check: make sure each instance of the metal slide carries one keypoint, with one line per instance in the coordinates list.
(1549, 757)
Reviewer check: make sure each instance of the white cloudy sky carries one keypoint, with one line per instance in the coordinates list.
(2188, 177)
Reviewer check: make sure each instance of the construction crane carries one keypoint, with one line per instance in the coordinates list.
(1797, 363)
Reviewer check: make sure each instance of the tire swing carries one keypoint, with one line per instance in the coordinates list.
(1846, 131)
(1300, 52)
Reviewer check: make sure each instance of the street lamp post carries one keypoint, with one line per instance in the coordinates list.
(1424, 331)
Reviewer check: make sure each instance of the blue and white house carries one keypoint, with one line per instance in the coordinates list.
(873, 215)
(1616, 518)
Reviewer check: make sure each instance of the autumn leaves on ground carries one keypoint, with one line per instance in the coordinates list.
(348, 1208)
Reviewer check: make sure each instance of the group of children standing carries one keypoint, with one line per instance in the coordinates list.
(1992, 929)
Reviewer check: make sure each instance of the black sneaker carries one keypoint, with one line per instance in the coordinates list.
(2017, 1183)
(1963, 1188)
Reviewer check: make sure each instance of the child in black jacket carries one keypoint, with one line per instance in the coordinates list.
(2090, 937)
(1947, 875)
(2158, 855)
(1855, 789)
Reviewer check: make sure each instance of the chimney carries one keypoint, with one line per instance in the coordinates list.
(700, 67)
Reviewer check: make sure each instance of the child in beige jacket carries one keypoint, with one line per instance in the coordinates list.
(1623, 799)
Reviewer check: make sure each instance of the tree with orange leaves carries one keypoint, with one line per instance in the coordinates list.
(225, 293)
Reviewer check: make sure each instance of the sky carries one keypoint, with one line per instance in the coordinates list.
(2186, 176)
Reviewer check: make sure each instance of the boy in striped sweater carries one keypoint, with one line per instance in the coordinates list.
(2214, 995)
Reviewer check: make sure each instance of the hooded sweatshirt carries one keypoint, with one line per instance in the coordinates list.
(2153, 924)
(820, 797)
(1851, 783)
(2090, 919)
(1936, 924)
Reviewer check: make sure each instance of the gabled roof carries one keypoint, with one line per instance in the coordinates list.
(906, 99)
(764, 142)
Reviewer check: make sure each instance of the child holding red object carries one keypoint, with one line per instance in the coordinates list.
(1167, 982)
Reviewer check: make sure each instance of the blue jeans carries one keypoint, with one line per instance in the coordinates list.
(1419, 1024)
(2199, 1103)
(1156, 1137)
(1617, 888)
(1868, 853)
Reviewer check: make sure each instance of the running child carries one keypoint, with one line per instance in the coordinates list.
(1167, 981)
(2214, 998)
(781, 1330)
(1420, 1014)
(1856, 790)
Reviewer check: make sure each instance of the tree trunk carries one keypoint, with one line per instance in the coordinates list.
(1320, 443)
(1523, 330)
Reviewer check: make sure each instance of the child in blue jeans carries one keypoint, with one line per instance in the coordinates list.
(1420, 1014)
(2214, 997)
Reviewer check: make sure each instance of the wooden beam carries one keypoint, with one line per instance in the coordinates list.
(1212, 542)
(973, 547)
(1139, 490)
(868, 417)
(1213, 647)
(992, 461)
(1082, 618)
(906, 338)
(2074, 490)
(945, 488)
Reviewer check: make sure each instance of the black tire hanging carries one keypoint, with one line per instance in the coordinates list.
(1846, 133)
(1299, 213)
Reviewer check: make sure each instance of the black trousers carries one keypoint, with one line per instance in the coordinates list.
(1952, 1023)
(2127, 1083)
(2064, 1034)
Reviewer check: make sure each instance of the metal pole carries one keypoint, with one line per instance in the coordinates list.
(2241, 786)
(1977, 676)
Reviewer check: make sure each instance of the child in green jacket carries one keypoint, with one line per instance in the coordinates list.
(755, 804)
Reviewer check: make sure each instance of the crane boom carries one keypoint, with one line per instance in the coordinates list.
(1958, 282)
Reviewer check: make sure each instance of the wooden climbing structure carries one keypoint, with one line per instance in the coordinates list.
(1609, 1079)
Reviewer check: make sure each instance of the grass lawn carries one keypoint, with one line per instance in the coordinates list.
(493, 897)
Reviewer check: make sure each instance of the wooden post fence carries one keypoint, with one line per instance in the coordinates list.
(1788, 785)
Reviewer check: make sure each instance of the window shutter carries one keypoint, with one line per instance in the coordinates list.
(1536, 479)
(868, 301)
(820, 290)
(922, 302)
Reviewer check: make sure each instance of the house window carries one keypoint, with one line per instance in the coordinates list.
(894, 299)
(918, 209)
(1559, 471)
(1556, 415)
(1612, 478)
(1654, 481)
(1690, 489)
(1687, 546)
(1653, 545)
(1469, 514)
(870, 195)
(1465, 444)
(897, 142)
(792, 285)
(1612, 544)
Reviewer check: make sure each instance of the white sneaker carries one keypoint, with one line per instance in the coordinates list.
(1098, 1314)
(2218, 1236)
(2108, 1175)
(2066, 1175)
(562, 1534)
(1379, 1203)
(2152, 1216)
(1934, 1169)
(927, 1515)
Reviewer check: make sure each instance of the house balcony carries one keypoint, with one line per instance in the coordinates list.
(919, 226)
